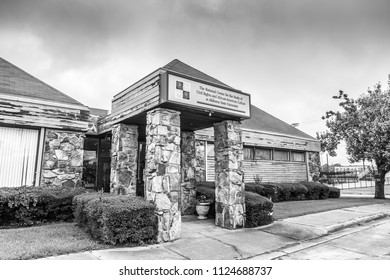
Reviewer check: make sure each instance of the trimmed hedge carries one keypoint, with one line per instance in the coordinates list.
(117, 218)
(258, 208)
(334, 192)
(28, 206)
(263, 190)
(299, 191)
(316, 190)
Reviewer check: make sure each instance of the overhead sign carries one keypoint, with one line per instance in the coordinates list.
(205, 96)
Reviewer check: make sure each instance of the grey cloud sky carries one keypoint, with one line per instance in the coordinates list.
(291, 56)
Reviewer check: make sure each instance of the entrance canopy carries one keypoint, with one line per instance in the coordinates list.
(201, 99)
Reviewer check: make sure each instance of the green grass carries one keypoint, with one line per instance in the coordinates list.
(288, 209)
(45, 241)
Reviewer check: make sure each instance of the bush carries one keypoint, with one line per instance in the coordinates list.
(299, 191)
(285, 191)
(263, 190)
(316, 190)
(258, 210)
(334, 192)
(324, 193)
(27, 206)
(273, 190)
(117, 218)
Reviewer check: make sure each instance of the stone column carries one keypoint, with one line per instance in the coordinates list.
(200, 165)
(188, 163)
(162, 170)
(314, 165)
(124, 150)
(229, 184)
(62, 158)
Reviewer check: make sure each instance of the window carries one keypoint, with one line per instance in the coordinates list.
(18, 156)
(263, 154)
(298, 156)
(248, 153)
(281, 155)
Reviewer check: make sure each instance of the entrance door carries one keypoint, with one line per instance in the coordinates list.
(104, 165)
(97, 163)
(140, 189)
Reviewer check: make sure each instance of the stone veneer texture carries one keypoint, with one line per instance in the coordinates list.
(124, 150)
(188, 163)
(62, 158)
(230, 187)
(200, 157)
(162, 170)
(314, 163)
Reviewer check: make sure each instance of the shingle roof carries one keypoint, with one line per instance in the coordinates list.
(180, 67)
(15, 81)
(262, 121)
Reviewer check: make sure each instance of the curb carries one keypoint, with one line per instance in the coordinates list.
(365, 219)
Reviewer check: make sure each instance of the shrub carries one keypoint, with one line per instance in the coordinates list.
(285, 191)
(258, 210)
(79, 203)
(117, 218)
(267, 191)
(316, 190)
(324, 193)
(299, 191)
(273, 190)
(334, 192)
(27, 206)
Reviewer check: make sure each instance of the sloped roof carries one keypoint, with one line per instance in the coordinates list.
(15, 81)
(182, 68)
(262, 121)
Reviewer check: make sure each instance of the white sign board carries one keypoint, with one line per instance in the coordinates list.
(204, 96)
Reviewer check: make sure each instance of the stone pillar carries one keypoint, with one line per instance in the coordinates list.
(62, 158)
(162, 170)
(229, 184)
(124, 150)
(314, 165)
(200, 165)
(188, 163)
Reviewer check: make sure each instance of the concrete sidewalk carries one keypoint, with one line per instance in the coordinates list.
(202, 240)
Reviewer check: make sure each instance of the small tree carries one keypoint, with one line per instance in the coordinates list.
(364, 124)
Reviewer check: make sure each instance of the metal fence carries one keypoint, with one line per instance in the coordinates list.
(345, 179)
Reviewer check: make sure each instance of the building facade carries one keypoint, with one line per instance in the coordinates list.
(167, 131)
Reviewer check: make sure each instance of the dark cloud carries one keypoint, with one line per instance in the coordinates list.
(275, 50)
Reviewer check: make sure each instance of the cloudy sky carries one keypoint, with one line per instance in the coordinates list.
(291, 56)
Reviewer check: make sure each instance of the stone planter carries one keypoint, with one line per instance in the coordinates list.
(202, 208)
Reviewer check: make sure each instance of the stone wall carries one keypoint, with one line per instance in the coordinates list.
(162, 170)
(62, 163)
(188, 163)
(314, 164)
(230, 187)
(124, 152)
(200, 161)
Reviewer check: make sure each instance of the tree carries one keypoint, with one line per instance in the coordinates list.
(364, 125)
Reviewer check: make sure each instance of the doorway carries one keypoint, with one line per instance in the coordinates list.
(97, 163)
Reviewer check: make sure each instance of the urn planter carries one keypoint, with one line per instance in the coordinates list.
(202, 208)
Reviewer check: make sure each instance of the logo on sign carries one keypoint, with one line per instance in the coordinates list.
(183, 90)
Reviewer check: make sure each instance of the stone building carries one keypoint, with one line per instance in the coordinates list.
(174, 127)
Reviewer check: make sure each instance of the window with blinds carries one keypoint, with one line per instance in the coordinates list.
(18, 156)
